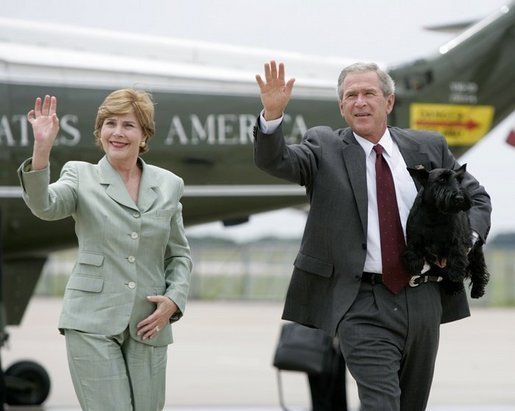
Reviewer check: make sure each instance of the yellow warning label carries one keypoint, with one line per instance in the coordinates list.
(462, 125)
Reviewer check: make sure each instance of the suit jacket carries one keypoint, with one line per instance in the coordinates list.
(126, 251)
(332, 166)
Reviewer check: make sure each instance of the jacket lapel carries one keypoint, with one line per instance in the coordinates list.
(115, 188)
(147, 188)
(355, 163)
(410, 150)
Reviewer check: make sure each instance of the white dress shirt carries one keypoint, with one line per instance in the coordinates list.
(405, 191)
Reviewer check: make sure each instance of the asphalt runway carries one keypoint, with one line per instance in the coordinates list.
(221, 360)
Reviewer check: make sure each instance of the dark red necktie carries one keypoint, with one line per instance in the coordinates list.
(395, 276)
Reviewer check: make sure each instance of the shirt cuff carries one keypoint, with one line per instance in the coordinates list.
(269, 127)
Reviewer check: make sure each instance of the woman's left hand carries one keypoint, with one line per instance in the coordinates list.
(155, 322)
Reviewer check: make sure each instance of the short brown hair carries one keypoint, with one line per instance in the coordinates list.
(126, 101)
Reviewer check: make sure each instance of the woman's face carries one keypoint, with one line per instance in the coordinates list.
(121, 136)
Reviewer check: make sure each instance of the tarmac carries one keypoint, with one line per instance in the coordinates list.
(222, 355)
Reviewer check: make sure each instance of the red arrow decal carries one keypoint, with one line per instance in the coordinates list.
(469, 125)
(511, 138)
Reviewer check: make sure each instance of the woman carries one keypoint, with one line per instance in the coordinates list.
(132, 273)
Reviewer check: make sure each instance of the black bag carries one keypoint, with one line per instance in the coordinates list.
(305, 349)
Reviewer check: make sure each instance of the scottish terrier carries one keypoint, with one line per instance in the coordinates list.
(438, 229)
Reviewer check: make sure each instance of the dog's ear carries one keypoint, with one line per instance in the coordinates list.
(460, 172)
(419, 173)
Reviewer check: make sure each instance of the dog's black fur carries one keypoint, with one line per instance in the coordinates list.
(438, 228)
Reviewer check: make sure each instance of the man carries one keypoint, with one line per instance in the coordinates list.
(347, 279)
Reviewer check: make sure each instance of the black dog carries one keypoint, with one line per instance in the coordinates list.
(438, 228)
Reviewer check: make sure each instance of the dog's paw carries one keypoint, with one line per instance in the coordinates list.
(413, 265)
(477, 290)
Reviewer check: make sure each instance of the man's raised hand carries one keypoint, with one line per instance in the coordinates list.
(275, 91)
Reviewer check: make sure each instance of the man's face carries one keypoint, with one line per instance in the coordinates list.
(364, 106)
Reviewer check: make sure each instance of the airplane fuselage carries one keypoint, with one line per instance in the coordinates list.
(204, 138)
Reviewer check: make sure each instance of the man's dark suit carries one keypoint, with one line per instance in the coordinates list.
(331, 165)
(389, 341)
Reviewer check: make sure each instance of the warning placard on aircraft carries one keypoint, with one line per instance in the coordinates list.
(462, 125)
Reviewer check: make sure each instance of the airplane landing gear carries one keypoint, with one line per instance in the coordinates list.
(24, 382)
(27, 383)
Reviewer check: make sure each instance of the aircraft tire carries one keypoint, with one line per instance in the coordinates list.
(27, 383)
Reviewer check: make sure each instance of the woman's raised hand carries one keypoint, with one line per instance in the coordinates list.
(45, 126)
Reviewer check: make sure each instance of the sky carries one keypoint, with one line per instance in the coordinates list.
(385, 31)
(389, 32)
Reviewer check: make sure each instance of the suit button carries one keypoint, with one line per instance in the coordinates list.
(134, 235)
(132, 284)
(136, 215)
(131, 259)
